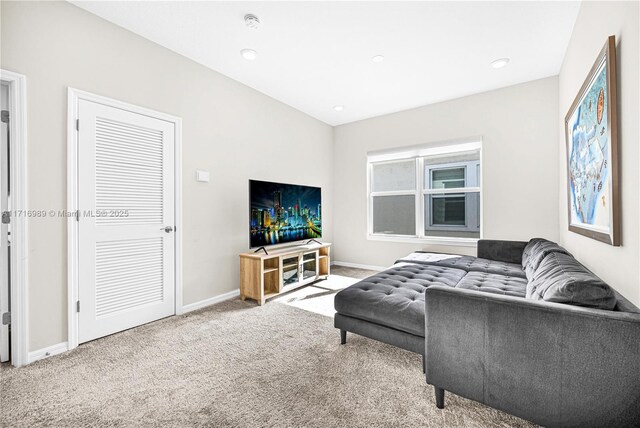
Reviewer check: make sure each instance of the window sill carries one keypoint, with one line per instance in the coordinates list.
(453, 242)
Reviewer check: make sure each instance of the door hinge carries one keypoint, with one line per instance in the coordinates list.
(77, 124)
(6, 318)
(5, 116)
(6, 217)
(78, 306)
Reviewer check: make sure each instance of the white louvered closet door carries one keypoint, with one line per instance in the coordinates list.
(126, 200)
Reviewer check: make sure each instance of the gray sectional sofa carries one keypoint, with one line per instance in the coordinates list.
(523, 327)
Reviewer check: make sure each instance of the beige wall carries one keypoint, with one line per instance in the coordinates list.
(519, 171)
(229, 129)
(596, 21)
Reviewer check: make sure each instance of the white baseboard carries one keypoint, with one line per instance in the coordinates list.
(47, 352)
(359, 266)
(59, 348)
(211, 301)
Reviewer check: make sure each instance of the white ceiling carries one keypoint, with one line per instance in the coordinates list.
(315, 55)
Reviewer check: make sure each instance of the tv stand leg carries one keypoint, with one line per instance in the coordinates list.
(263, 249)
(313, 240)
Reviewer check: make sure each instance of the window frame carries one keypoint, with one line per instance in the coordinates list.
(422, 192)
(442, 167)
(427, 190)
(372, 194)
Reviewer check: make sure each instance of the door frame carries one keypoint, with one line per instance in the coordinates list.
(19, 262)
(73, 98)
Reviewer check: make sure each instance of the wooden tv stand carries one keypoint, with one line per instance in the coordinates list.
(263, 276)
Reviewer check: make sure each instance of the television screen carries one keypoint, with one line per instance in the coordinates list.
(281, 213)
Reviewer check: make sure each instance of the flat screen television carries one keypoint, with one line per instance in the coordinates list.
(282, 213)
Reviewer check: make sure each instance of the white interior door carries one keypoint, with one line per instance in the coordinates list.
(4, 228)
(126, 220)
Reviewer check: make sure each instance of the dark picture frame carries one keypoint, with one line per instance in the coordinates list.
(591, 132)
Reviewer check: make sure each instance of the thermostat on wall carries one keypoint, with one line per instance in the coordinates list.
(202, 176)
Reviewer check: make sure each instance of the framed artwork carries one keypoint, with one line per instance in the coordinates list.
(591, 129)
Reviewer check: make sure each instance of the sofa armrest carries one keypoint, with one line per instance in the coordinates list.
(502, 251)
(551, 363)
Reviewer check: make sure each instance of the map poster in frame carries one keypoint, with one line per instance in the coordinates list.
(591, 129)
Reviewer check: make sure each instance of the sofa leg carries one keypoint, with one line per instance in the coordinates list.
(439, 397)
(343, 337)
(424, 364)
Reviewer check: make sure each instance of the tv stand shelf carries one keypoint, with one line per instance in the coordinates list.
(263, 276)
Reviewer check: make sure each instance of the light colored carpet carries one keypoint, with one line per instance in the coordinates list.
(234, 364)
(352, 272)
(318, 297)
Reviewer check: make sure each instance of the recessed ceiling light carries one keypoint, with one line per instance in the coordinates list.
(248, 54)
(378, 58)
(499, 63)
(338, 108)
(251, 21)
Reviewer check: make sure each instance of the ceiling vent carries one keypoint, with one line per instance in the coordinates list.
(251, 21)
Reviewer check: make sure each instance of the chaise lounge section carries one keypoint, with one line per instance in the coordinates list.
(523, 328)
(389, 306)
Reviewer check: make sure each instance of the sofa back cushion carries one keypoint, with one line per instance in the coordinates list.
(561, 278)
(535, 251)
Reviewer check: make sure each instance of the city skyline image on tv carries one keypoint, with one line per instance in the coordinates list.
(281, 213)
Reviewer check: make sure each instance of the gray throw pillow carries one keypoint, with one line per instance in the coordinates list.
(561, 278)
(535, 251)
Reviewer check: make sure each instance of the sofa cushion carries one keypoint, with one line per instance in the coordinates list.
(466, 263)
(561, 278)
(505, 251)
(395, 297)
(535, 251)
(493, 283)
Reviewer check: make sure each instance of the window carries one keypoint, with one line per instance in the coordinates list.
(452, 195)
(393, 186)
(429, 193)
